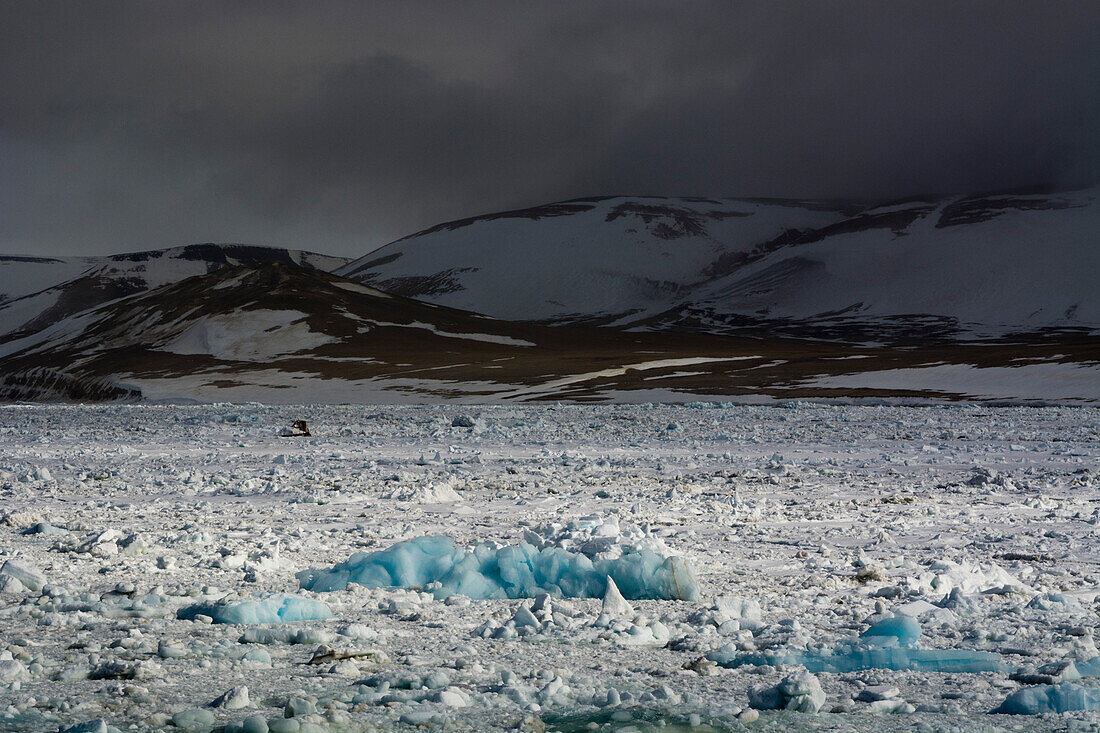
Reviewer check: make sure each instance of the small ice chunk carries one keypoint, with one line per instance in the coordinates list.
(524, 617)
(11, 669)
(251, 724)
(738, 608)
(453, 697)
(9, 584)
(1061, 698)
(195, 719)
(799, 692)
(273, 610)
(45, 528)
(803, 692)
(358, 632)
(872, 693)
(99, 725)
(296, 707)
(234, 698)
(31, 577)
(1088, 667)
(1048, 674)
(890, 706)
(614, 605)
(257, 656)
(169, 650)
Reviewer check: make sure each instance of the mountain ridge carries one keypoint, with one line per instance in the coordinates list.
(605, 298)
(727, 265)
(35, 292)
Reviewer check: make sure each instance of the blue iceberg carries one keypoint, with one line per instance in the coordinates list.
(272, 610)
(903, 628)
(1089, 667)
(887, 644)
(515, 571)
(1061, 698)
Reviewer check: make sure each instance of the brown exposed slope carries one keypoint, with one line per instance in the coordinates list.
(281, 329)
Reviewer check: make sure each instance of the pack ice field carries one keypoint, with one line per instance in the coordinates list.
(549, 568)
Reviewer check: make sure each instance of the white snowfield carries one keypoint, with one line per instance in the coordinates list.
(993, 264)
(152, 559)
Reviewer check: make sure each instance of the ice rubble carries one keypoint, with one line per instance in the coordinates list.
(617, 621)
(432, 492)
(513, 571)
(1061, 698)
(272, 610)
(595, 537)
(879, 647)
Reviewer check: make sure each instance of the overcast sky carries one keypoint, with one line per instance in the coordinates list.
(339, 126)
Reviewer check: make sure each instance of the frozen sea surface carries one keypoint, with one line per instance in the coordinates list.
(805, 525)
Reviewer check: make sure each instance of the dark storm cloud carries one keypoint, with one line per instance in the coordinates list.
(338, 126)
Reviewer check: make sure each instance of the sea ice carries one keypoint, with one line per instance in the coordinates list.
(273, 610)
(1061, 698)
(215, 517)
(513, 571)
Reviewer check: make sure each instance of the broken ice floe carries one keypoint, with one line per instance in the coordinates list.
(272, 610)
(880, 647)
(513, 571)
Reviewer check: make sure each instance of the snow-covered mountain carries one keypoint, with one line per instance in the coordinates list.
(240, 325)
(985, 265)
(38, 291)
(699, 298)
(281, 332)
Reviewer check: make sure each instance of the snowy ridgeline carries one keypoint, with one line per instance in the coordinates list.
(719, 264)
(186, 568)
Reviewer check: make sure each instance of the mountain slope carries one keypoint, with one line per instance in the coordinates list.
(38, 291)
(961, 266)
(282, 333)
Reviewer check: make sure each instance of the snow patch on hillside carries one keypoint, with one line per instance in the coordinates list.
(485, 337)
(1075, 382)
(251, 335)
